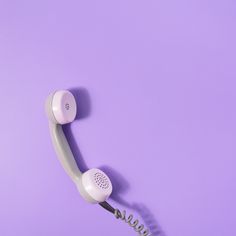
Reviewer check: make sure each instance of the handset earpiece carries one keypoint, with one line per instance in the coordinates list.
(94, 185)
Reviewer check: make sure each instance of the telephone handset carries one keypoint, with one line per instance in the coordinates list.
(94, 185)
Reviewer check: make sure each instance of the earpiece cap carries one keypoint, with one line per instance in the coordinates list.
(63, 107)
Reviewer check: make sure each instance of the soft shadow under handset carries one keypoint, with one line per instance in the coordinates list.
(94, 185)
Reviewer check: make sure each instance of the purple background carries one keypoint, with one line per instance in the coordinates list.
(155, 84)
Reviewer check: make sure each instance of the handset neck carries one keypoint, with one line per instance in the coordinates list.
(64, 152)
(67, 159)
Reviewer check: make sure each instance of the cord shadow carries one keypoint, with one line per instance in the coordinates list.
(149, 219)
(120, 187)
(83, 101)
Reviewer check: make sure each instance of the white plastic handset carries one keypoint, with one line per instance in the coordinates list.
(94, 185)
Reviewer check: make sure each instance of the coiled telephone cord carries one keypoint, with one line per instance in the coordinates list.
(139, 228)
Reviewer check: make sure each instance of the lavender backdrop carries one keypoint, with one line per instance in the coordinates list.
(155, 84)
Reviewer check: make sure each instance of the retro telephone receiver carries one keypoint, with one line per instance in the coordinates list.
(94, 185)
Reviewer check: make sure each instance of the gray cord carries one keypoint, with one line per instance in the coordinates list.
(133, 223)
(129, 220)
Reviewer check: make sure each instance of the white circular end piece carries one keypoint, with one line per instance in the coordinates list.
(97, 184)
(64, 106)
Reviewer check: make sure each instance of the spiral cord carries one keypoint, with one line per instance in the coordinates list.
(131, 222)
(134, 223)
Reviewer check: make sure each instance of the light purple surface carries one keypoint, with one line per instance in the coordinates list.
(155, 84)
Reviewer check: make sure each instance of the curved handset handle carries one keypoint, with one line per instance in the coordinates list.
(64, 152)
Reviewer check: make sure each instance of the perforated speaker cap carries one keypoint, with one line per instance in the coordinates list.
(97, 184)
